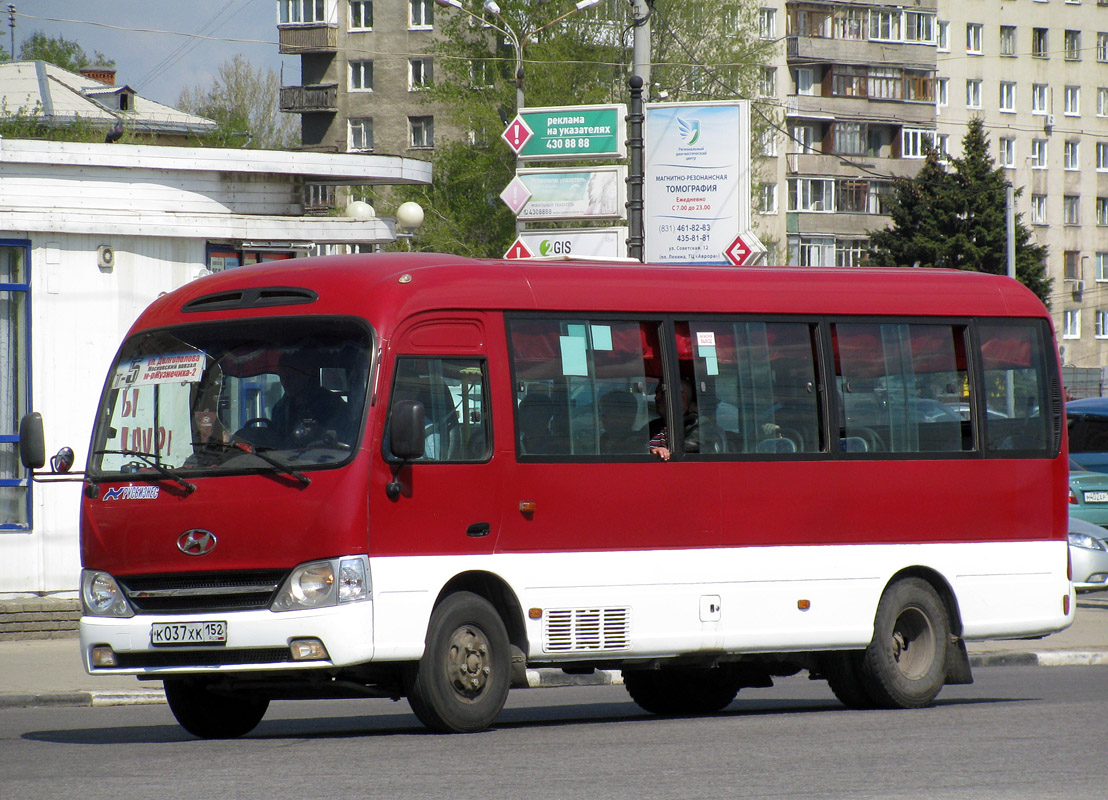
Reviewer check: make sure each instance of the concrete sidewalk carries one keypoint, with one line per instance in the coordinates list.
(44, 672)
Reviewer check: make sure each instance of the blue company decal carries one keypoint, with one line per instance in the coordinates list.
(133, 493)
(688, 130)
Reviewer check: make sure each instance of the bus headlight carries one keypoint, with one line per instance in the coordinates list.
(102, 597)
(325, 583)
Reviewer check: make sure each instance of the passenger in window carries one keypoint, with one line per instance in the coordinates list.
(618, 410)
(307, 412)
(659, 442)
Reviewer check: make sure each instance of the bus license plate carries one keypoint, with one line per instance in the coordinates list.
(168, 634)
(1096, 497)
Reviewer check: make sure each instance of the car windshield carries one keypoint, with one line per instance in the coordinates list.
(277, 395)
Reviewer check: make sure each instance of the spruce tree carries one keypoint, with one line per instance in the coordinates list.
(956, 218)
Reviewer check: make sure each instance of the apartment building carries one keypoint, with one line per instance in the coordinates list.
(859, 86)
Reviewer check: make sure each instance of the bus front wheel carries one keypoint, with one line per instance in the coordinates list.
(209, 715)
(461, 683)
(905, 664)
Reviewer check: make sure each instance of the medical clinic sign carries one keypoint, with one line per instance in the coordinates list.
(697, 181)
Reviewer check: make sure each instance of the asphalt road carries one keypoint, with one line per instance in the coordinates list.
(1016, 733)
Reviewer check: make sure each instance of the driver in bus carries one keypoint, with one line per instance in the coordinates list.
(307, 412)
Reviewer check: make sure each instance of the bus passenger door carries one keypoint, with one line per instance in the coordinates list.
(445, 502)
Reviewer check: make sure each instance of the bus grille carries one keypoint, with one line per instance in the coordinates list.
(570, 629)
(203, 658)
(202, 592)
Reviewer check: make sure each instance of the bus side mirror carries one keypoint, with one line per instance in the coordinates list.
(32, 444)
(406, 430)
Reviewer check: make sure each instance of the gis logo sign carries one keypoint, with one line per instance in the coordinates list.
(688, 130)
(555, 247)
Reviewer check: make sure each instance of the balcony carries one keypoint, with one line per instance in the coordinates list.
(310, 99)
(891, 112)
(822, 50)
(298, 39)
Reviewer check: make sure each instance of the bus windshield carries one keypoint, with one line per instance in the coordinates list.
(265, 395)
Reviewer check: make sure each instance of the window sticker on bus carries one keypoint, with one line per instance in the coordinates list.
(160, 368)
(574, 355)
(601, 337)
(706, 339)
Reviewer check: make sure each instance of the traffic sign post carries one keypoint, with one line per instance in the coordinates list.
(576, 132)
(746, 249)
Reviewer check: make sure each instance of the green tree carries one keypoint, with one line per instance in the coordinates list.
(955, 217)
(700, 51)
(62, 52)
(245, 102)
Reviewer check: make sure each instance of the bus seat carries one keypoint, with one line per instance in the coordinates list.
(777, 445)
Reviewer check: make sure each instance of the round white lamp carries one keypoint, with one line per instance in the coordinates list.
(409, 215)
(360, 209)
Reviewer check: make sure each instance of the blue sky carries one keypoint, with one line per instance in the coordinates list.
(160, 65)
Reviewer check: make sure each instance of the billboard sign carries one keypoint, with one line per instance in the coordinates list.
(598, 131)
(697, 181)
(570, 243)
(571, 193)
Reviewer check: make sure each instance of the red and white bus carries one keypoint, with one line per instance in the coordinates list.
(421, 475)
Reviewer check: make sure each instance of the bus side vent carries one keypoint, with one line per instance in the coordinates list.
(251, 298)
(1058, 415)
(588, 629)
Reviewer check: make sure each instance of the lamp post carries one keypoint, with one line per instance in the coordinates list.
(518, 42)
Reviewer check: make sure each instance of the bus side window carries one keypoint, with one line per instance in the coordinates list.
(580, 386)
(1012, 355)
(453, 394)
(756, 387)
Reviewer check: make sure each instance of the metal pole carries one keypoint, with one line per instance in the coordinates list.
(1010, 218)
(640, 53)
(11, 24)
(635, 146)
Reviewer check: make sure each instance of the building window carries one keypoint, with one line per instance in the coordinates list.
(361, 133)
(767, 143)
(1071, 209)
(850, 252)
(942, 146)
(1071, 323)
(919, 27)
(942, 91)
(884, 25)
(361, 76)
(850, 138)
(1101, 324)
(973, 38)
(942, 36)
(1071, 265)
(1102, 211)
(1071, 155)
(1102, 156)
(422, 132)
(1007, 96)
(361, 15)
(15, 365)
(421, 14)
(1102, 102)
(768, 199)
(1072, 41)
(1007, 152)
(1073, 101)
(767, 23)
(420, 73)
(913, 142)
(1039, 43)
(811, 251)
(293, 12)
(1038, 209)
(1038, 154)
(1040, 98)
(804, 138)
(1102, 47)
(769, 82)
(1007, 40)
(805, 81)
(1102, 267)
(973, 93)
(811, 194)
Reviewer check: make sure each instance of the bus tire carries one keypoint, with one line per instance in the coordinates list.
(210, 715)
(461, 683)
(680, 692)
(843, 671)
(905, 664)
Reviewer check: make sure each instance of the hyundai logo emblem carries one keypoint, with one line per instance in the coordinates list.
(197, 542)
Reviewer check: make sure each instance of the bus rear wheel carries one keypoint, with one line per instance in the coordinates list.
(461, 683)
(843, 671)
(674, 692)
(210, 715)
(905, 664)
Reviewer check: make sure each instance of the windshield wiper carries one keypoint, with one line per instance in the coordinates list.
(258, 452)
(151, 460)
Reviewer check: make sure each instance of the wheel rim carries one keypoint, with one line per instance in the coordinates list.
(467, 663)
(913, 643)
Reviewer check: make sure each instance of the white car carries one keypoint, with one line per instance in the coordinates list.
(1088, 555)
